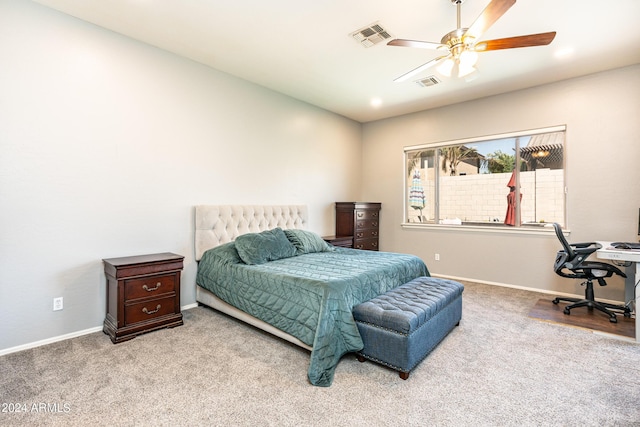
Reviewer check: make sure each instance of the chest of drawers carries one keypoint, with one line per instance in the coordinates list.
(143, 294)
(360, 220)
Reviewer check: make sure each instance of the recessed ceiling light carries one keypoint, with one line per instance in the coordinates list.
(564, 52)
(376, 102)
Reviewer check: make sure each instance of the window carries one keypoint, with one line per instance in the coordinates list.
(510, 180)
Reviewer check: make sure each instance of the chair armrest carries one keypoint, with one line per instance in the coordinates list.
(585, 248)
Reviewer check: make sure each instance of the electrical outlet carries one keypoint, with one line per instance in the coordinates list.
(57, 304)
(437, 257)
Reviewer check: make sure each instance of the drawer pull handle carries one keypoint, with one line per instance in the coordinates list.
(360, 214)
(148, 289)
(375, 224)
(144, 310)
(374, 233)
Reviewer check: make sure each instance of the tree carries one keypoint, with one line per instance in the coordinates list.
(452, 156)
(499, 162)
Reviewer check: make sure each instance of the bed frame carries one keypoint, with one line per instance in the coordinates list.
(219, 224)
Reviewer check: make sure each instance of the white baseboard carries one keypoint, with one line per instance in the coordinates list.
(523, 288)
(67, 336)
(189, 306)
(50, 340)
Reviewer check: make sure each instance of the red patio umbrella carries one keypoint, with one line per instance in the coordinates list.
(510, 218)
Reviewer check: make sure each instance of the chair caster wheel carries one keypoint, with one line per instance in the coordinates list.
(567, 311)
(556, 301)
(626, 314)
(613, 320)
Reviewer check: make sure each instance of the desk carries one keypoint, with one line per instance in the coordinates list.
(632, 282)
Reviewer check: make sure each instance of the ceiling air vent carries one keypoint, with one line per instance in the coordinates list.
(371, 35)
(429, 81)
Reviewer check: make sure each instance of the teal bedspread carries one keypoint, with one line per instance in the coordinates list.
(309, 296)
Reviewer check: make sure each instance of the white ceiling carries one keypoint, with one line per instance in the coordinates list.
(303, 48)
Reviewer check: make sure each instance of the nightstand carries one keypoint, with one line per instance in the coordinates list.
(343, 242)
(143, 294)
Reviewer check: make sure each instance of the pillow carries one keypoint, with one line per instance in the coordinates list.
(270, 245)
(226, 252)
(307, 242)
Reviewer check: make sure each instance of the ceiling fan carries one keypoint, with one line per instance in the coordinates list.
(462, 44)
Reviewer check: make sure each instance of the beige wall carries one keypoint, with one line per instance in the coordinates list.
(107, 144)
(601, 112)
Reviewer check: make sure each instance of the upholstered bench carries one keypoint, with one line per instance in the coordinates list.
(401, 327)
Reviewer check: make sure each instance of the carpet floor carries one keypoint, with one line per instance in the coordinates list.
(498, 368)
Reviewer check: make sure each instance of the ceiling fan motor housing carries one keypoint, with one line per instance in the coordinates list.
(455, 42)
(454, 37)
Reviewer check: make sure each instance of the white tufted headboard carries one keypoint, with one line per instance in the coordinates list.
(220, 224)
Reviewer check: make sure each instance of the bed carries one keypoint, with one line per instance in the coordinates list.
(260, 265)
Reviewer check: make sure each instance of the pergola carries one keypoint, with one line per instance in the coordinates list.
(544, 151)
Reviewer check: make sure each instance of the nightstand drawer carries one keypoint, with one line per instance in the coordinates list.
(148, 310)
(343, 242)
(149, 286)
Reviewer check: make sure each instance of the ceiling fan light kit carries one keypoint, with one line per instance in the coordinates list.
(460, 65)
(462, 44)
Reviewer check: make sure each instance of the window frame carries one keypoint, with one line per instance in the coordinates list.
(485, 228)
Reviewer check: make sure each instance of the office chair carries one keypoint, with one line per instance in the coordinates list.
(574, 259)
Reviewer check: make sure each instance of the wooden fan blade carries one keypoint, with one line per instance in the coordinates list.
(530, 40)
(488, 17)
(415, 43)
(421, 68)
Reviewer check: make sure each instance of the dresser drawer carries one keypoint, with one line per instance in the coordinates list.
(148, 310)
(366, 223)
(366, 234)
(366, 244)
(149, 286)
(367, 214)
